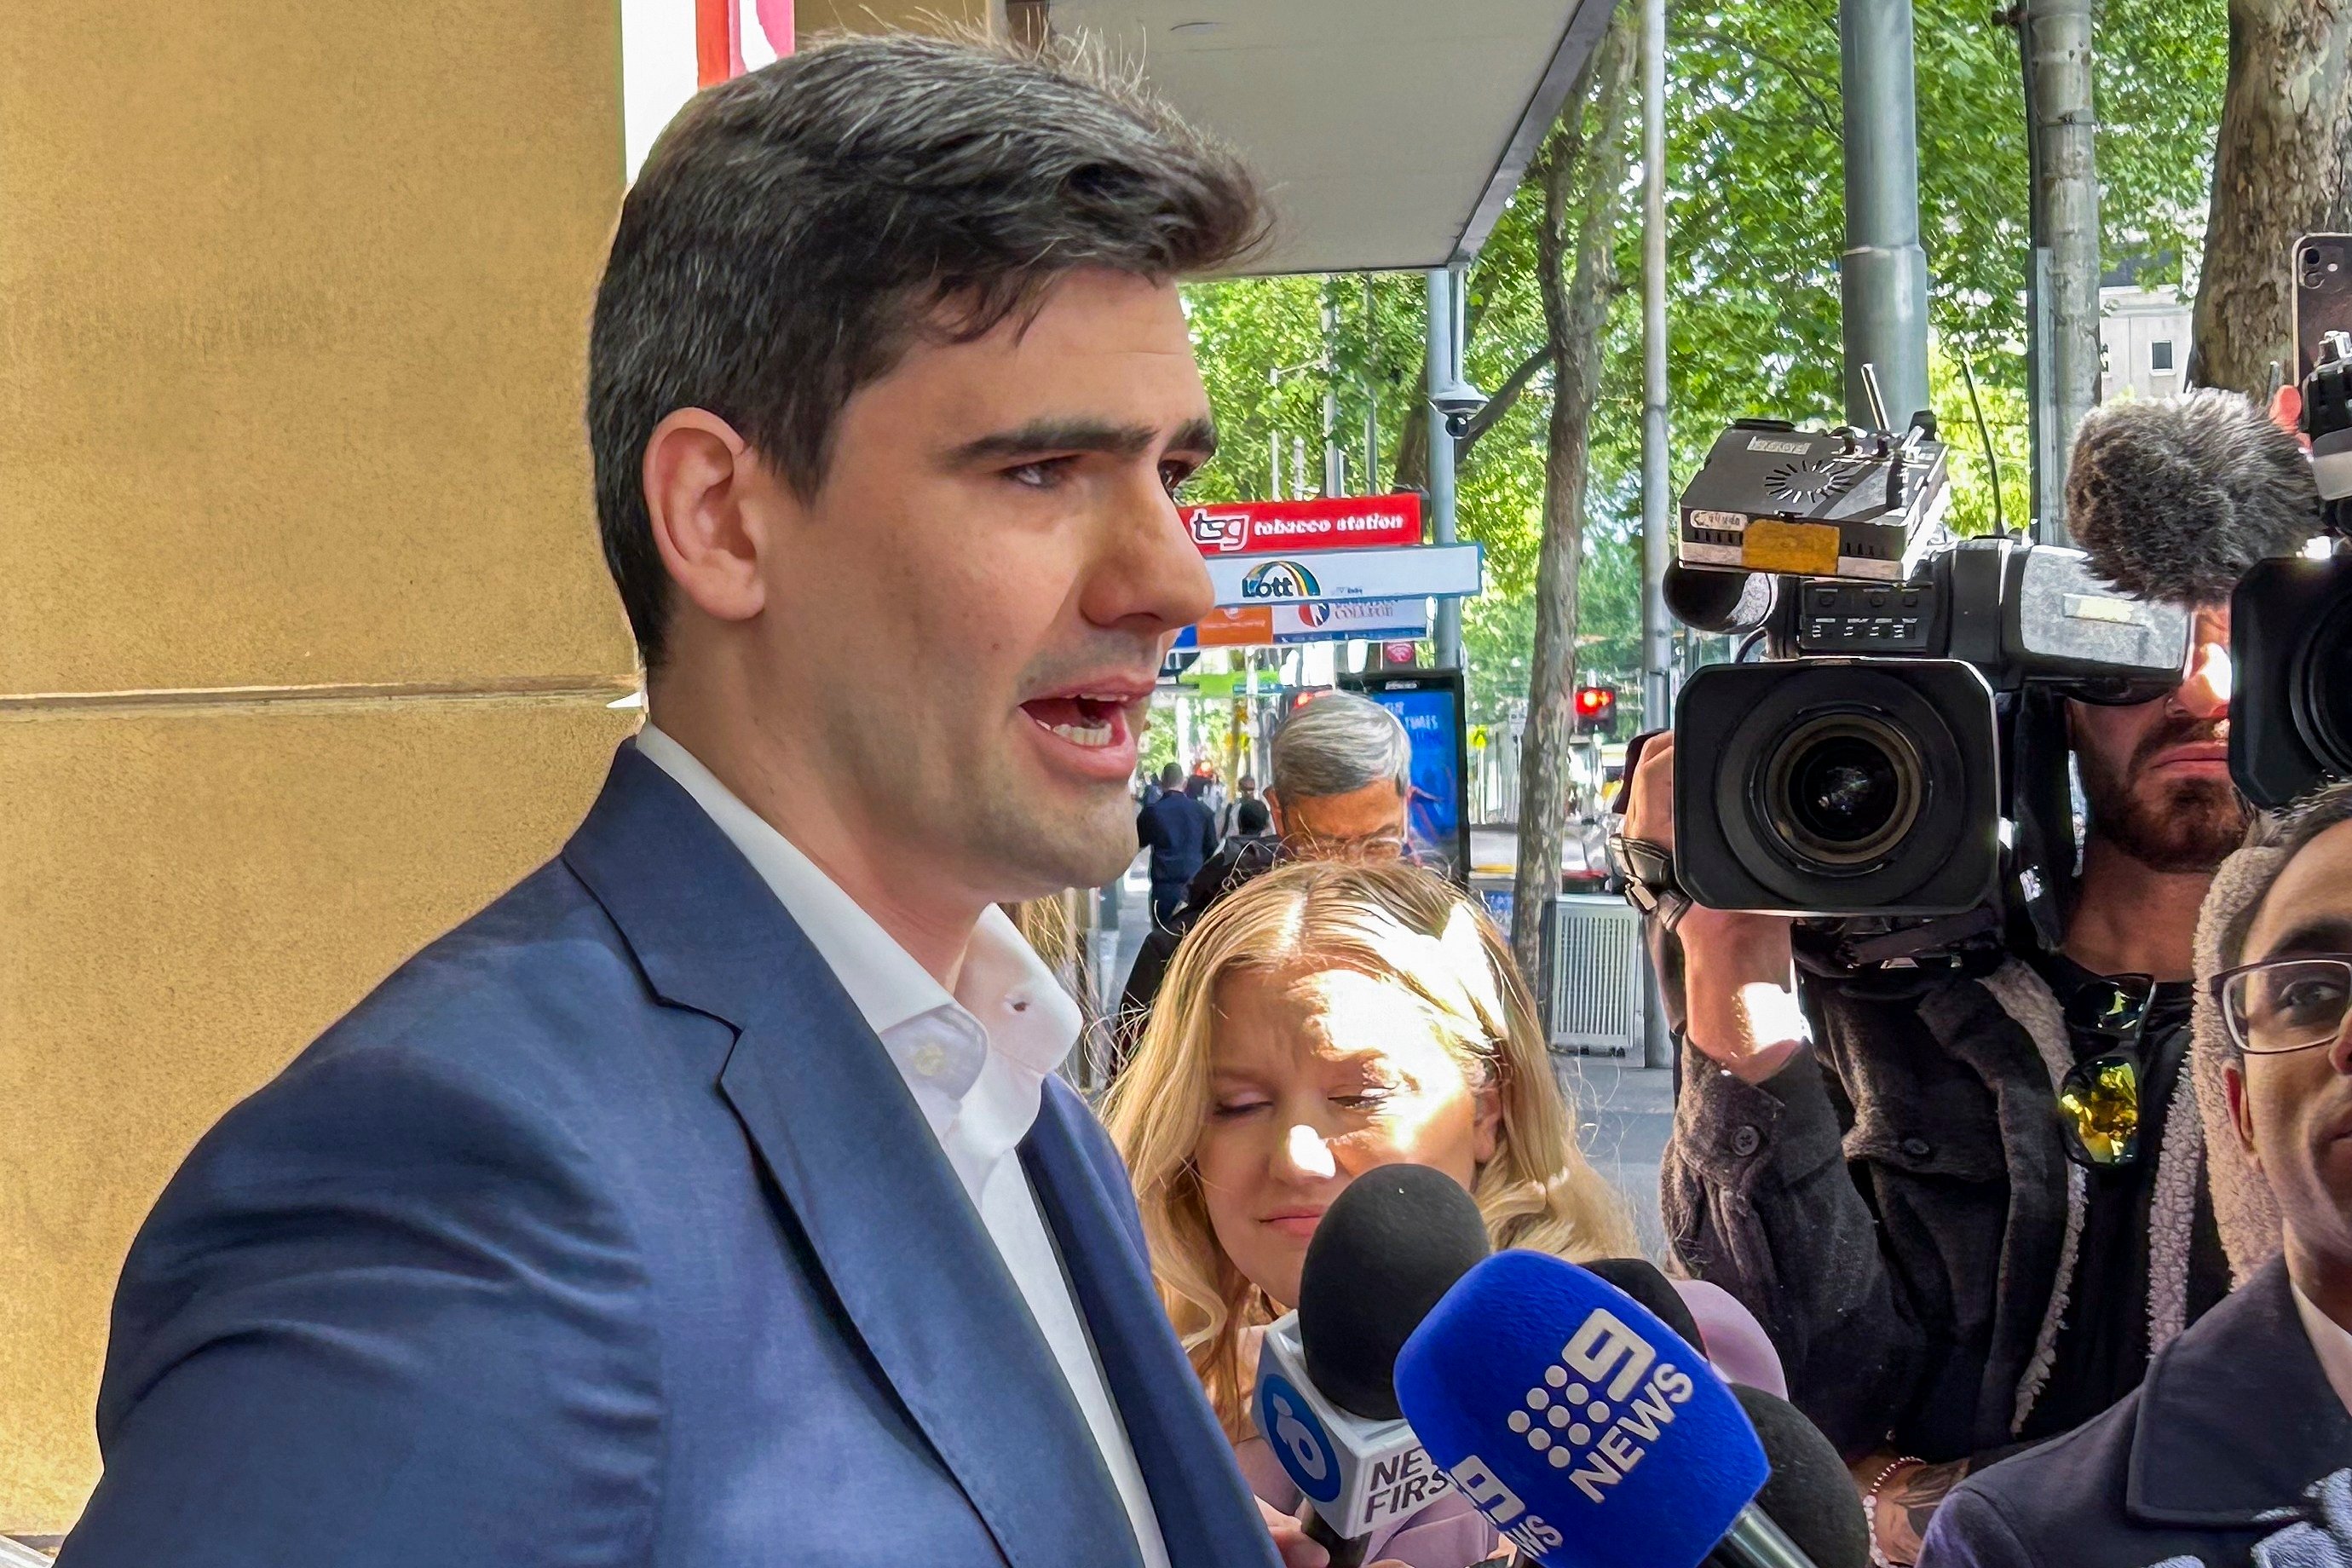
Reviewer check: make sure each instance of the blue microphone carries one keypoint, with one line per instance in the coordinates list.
(1589, 1432)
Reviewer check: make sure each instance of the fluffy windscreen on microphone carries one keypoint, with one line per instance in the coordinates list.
(2174, 498)
(1382, 1255)
(1809, 1493)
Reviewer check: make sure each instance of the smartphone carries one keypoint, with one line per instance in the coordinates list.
(2321, 267)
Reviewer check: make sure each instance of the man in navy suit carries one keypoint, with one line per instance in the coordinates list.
(2237, 1448)
(709, 1200)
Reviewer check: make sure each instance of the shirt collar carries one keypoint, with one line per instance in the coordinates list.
(2332, 1341)
(1025, 1012)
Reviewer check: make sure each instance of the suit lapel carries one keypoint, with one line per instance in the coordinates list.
(2237, 1417)
(922, 1283)
(1204, 1509)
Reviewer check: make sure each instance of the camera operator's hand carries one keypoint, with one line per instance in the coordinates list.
(1738, 987)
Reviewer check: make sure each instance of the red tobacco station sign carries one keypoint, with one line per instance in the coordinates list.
(1278, 527)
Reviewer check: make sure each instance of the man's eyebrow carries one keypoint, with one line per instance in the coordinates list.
(1083, 436)
(2321, 933)
(1197, 436)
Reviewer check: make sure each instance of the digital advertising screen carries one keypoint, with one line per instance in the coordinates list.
(1429, 703)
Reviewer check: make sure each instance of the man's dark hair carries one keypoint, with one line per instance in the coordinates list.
(1251, 816)
(795, 230)
(2287, 834)
(1172, 777)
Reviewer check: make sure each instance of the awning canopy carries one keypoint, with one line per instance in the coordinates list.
(1390, 131)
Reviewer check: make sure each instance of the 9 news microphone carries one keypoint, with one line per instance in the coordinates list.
(1388, 1248)
(1591, 1433)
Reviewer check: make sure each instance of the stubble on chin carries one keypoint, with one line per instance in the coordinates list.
(1045, 845)
(2188, 826)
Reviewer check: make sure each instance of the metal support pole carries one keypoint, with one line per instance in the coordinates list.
(1372, 484)
(1884, 276)
(1657, 505)
(1444, 367)
(2064, 126)
(1335, 481)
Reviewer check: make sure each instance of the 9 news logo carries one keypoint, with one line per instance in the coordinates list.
(1597, 1405)
(1299, 1441)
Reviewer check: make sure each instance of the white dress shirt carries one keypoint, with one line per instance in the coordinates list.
(976, 1063)
(2333, 1341)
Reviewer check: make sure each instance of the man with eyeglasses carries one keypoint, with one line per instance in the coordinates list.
(1968, 1202)
(2237, 1448)
(1342, 785)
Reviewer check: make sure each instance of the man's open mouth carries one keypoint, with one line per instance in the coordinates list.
(1092, 721)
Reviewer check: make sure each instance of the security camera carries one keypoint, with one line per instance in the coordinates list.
(1459, 403)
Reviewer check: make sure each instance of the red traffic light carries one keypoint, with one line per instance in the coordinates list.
(1595, 701)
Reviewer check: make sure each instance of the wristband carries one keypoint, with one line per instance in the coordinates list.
(1870, 1508)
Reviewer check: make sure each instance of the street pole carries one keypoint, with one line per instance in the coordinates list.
(2062, 127)
(1334, 463)
(1657, 510)
(1884, 276)
(1445, 368)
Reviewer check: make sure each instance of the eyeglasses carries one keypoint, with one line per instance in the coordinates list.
(1378, 847)
(2285, 1004)
(2098, 1099)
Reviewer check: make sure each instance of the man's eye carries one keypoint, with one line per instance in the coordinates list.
(1041, 474)
(1173, 477)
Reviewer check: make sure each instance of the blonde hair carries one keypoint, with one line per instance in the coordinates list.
(1395, 922)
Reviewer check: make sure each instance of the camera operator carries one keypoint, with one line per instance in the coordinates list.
(1968, 1200)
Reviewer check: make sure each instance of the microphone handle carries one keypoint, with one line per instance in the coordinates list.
(1345, 1553)
(1755, 1542)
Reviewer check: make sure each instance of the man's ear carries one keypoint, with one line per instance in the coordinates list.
(2233, 1082)
(1273, 809)
(697, 474)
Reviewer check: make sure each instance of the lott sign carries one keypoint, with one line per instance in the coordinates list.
(1444, 571)
(1341, 522)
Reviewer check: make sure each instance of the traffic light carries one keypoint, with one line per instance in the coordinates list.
(1596, 710)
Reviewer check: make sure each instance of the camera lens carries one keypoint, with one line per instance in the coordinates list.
(1843, 790)
(2323, 700)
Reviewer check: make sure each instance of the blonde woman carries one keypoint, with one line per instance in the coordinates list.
(1325, 1019)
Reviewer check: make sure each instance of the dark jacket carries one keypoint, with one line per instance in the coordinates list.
(1237, 861)
(2236, 1439)
(1180, 832)
(1896, 1207)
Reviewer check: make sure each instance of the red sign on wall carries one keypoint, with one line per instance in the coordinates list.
(1268, 527)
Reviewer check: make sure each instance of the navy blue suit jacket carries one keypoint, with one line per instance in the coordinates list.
(2234, 1450)
(605, 1233)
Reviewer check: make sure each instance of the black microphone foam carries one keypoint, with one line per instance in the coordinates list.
(1384, 1252)
(1642, 1280)
(2174, 498)
(1717, 601)
(1810, 1494)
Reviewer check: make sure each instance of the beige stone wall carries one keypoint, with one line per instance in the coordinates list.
(304, 647)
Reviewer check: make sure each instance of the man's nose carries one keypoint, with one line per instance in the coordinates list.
(2340, 1050)
(2205, 694)
(1152, 574)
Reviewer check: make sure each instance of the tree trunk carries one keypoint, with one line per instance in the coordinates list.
(1575, 312)
(2280, 171)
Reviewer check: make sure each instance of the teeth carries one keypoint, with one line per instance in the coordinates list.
(1082, 734)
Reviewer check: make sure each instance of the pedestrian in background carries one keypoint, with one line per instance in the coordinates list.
(1182, 835)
